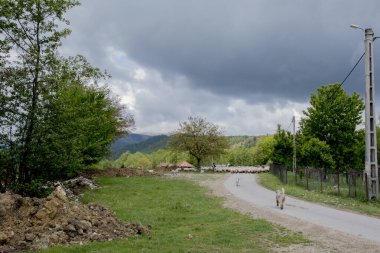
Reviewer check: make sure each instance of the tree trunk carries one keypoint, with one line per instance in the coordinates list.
(25, 173)
(198, 163)
(25, 170)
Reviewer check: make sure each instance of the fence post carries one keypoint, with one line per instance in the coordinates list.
(286, 175)
(321, 178)
(338, 183)
(366, 185)
(354, 178)
(307, 178)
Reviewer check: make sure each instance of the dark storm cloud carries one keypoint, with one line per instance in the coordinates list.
(278, 49)
(254, 62)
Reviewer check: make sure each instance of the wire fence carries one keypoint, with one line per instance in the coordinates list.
(351, 183)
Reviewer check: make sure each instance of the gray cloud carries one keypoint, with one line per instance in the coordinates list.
(258, 51)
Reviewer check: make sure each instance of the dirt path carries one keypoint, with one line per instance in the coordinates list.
(323, 239)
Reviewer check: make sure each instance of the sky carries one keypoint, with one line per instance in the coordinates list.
(245, 65)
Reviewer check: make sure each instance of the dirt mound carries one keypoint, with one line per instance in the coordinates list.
(32, 223)
(123, 172)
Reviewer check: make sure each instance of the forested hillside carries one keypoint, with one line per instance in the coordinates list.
(147, 144)
(121, 145)
(138, 143)
(243, 141)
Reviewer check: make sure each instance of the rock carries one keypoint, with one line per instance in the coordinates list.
(53, 205)
(95, 236)
(29, 237)
(7, 200)
(80, 231)
(33, 211)
(22, 244)
(52, 225)
(70, 228)
(42, 214)
(6, 236)
(3, 238)
(75, 209)
(41, 243)
(3, 211)
(59, 193)
(85, 225)
(81, 182)
(59, 237)
(97, 223)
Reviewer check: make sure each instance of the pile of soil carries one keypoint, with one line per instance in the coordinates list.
(123, 172)
(33, 223)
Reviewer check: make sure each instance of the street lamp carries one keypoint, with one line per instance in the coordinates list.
(371, 171)
(356, 27)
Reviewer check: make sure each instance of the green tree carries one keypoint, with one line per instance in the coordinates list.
(332, 118)
(240, 156)
(199, 138)
(263, 151)
(79, 123)
(357, 160)
(167, 156)
(138, 160)
(283, 148)
(315, 153)
(30, 28)
(54, 118)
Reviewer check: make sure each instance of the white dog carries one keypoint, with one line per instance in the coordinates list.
(280, 198)
(238, 182)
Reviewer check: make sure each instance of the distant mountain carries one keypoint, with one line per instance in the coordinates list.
(138, 143)
(147, 144)
(132, 138)
(119, 146)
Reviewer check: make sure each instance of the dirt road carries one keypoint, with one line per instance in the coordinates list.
(258, 202)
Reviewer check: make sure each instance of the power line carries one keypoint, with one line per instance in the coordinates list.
(361, 57)
(289, 125)
(341, 84)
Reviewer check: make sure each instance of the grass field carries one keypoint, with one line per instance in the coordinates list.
(362, 206)
(184, 218)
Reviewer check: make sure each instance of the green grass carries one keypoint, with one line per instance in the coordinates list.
(176, 209)
(358, 205)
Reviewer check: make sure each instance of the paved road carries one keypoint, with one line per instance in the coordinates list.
(355, 224)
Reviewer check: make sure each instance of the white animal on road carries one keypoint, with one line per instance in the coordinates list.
(280, 198)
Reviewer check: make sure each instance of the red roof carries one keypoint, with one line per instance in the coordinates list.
(185, 164)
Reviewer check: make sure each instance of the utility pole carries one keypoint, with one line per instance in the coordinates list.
(370, 119)
(294, 145)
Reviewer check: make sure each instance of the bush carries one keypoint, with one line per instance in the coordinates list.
(36, 188)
